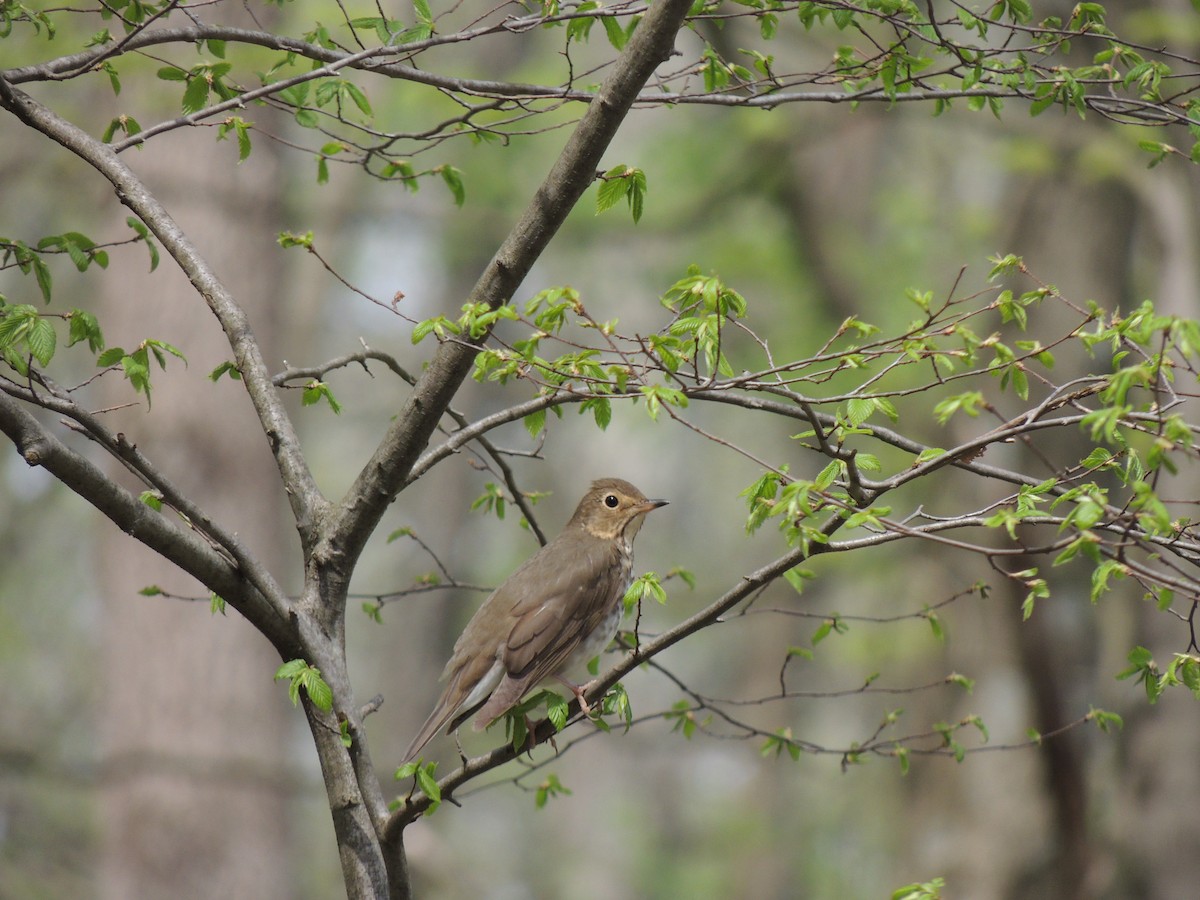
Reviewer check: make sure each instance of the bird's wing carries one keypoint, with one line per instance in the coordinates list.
(554, 617)
(551, 618)
(529, 626)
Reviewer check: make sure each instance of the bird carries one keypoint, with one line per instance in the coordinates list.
(559, 609)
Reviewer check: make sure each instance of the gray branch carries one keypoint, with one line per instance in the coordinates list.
(390, 467)
(307, 502)
(186, 549)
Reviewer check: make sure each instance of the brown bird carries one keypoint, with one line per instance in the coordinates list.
(553, 614)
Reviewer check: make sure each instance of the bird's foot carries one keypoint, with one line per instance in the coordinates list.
(579, 690)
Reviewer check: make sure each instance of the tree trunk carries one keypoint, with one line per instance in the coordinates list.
(195, 770)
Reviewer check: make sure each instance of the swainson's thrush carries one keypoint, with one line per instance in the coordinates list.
(553, 614)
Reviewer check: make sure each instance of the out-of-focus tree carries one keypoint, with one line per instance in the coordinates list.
(1016, 424)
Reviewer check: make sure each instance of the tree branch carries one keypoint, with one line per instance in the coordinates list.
(306, 500)
(38, 447)
(390, 467)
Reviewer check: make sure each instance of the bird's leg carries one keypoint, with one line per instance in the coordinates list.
(579, 691)
(530, 737)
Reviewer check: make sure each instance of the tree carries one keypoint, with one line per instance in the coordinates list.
(864, 428)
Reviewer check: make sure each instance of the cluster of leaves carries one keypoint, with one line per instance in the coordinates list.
(1184, 669)
(985, 57)
(1101, 506)
(29, 336)
(299, 674)
(1105, 509)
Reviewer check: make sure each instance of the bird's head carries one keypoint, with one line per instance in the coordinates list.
(611, 508)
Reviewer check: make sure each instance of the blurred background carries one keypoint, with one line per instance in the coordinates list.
(145, 751)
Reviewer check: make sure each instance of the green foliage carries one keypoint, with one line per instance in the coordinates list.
(241, 129)
(1105, 721)
(830, 625)
(423, 776)
(143, 234)
(135, 364)
(301, 675)
(860, 403)
(781, 742)
(926, 890)
(550, 787)
(316, 391)
(392, 32)
(645, 585)
(622, 182)
(13, 13)
(25, 335)
(226, 368)
(517, 719)
(453, 179)
(1184, 669)
(684, 719)
(492, 500)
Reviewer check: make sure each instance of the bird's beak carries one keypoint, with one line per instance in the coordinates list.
(654, 504)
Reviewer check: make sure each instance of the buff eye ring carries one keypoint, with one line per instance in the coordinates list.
(611, 501)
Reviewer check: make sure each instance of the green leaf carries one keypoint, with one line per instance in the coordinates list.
(967, 684)
(144, 233)
(429, 786)
(195, 96)
(109, 357)
(601, 411)
(1105, 720)
(935, 625)
(492, 500)
(83, 326)
(241, 128)
(24, 333)
(611, 190)
(301, 675)
(797, 576)
(41, 341)
(216, 603)
(229, 367)
(967, 402)
(622, 181)
(535, 422)
(550, 787)
(316, 391)
(831, 625)
(41, 272)
(647, 584)
(926, 890)
(858, 410)
(453, 179)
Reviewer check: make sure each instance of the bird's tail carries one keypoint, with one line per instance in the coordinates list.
(442, 713)
(467, 691)
(453, 708)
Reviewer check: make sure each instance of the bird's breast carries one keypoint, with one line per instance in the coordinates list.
(596, 640)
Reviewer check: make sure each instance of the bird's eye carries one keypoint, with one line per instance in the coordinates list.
(611, 501)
